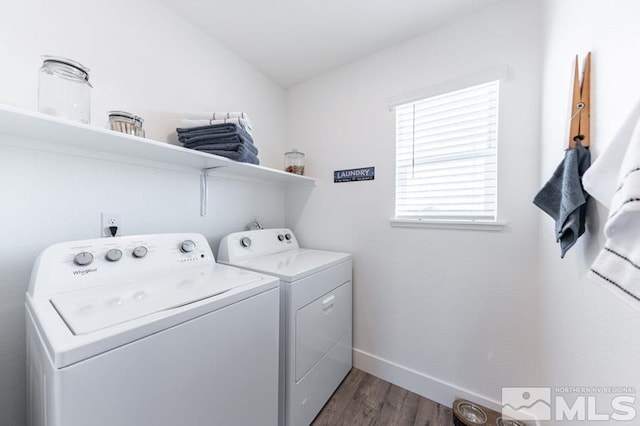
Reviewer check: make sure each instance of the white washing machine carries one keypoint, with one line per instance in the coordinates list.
(150, 331)
(315, 317)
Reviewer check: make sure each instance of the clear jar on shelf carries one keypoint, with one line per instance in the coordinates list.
(64, 89)
(294, 162)
(125, 122)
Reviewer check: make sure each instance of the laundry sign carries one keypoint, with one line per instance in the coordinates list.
(354, 175)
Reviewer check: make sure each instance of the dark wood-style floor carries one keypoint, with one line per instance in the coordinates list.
(363, 400)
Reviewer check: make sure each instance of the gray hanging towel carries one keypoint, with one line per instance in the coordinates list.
(564, 199)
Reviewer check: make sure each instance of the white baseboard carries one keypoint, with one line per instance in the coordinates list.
(426, 386)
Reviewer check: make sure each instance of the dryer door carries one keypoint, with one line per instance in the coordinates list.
(320, 325)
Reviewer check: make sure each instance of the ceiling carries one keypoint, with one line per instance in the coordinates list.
(294, 40)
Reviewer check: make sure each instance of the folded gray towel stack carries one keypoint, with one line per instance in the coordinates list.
(226, 140)
(564, 199)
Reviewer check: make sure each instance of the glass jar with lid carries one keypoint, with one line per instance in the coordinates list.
(294, 162)
(64, 89)
(125, 122)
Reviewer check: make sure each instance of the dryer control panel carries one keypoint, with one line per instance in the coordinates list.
(87, 263)
(261, 242)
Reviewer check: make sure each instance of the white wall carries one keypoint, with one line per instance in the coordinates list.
(441, 312)
(146, 60)
(589, 335)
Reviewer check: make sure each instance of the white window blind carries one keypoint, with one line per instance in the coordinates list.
(446, 155)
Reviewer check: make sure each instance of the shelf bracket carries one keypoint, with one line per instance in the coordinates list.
(204, 189)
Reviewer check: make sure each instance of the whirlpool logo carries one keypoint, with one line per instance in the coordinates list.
(83, 272)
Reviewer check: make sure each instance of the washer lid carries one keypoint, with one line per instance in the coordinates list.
(293, 265)
(96, 308)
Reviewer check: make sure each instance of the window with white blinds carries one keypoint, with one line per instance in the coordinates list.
(446, 156)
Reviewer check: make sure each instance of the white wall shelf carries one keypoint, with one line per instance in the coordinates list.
(43, 132)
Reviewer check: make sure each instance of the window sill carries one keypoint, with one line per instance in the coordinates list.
(449, 224)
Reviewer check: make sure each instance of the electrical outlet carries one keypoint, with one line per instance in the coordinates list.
(109, 220)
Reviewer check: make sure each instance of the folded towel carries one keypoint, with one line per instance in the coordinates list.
(618, 264)
(235, 114)
(242, 154)
(222, 140)
(189, 123)
(205, 145)
(228, 140)
(213, 131)
(219, 116)
(223, 137)
(564, 199)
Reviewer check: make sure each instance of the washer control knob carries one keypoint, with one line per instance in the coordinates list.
(113, 255)
(187, 246)
(139, 252)
(83, 259)
(287, 236)
(280, 237)
(245, 242)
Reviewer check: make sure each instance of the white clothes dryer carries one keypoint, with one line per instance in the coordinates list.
(149, 331)
(315, 316)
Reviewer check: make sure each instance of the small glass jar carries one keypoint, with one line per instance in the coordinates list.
(294, 162)
(126, 122)
(64, 89)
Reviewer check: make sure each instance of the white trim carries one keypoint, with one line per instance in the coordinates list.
(502, 73)
(429, 387)
(476, 225)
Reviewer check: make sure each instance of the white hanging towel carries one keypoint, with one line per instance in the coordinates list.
(601, 180)
(618, 264)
